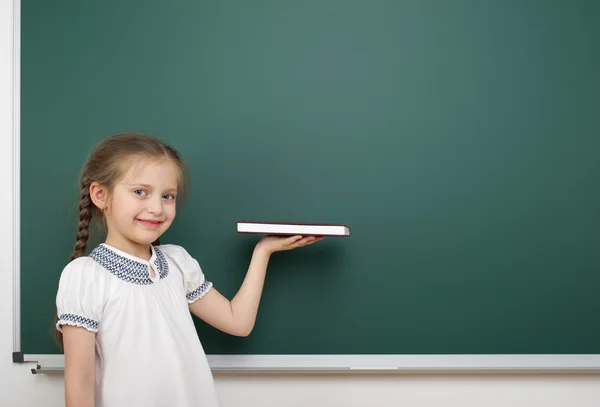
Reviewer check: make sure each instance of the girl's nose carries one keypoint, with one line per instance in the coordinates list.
(155, 206)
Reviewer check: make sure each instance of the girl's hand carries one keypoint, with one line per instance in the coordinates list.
(272, 244)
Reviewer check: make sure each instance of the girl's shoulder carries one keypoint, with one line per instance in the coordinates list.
(81, 294)
(83, 264)
(82, 268)
(181, 258)
(174, 251)
(195, 282)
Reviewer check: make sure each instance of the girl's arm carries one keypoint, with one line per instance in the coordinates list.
(80, 370)
(237, 317)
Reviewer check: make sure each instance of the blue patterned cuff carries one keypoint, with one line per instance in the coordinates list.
(77, 320)
(199, 292)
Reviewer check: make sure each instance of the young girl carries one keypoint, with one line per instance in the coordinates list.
(123, 311)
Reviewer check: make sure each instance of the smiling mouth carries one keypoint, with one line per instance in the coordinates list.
(150, 223)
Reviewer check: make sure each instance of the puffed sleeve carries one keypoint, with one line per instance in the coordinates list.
(81, 293)
(195, 283)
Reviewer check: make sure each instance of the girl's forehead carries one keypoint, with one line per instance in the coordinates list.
(152, 172)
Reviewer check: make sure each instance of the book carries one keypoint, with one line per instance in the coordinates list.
(293, 228)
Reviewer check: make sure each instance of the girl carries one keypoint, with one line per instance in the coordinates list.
(123, 311)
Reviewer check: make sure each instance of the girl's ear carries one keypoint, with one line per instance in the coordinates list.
(99, 195)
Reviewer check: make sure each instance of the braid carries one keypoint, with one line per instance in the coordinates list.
(85, 217)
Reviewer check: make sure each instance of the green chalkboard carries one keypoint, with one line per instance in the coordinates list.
(459, 139)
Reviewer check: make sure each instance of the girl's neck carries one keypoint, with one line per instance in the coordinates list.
(143, 251)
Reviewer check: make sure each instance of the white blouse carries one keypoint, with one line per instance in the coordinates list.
(147, 349)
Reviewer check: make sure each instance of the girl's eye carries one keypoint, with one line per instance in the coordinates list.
(140, 192)
(169, 196)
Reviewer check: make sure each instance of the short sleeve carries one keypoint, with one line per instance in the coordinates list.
(195, 283)
(80, 296)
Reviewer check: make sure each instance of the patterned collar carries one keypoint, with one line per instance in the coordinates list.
(130, 268)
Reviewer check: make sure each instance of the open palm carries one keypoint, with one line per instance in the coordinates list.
(274, 244)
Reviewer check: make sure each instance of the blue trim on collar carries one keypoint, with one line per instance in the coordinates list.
(129, 270)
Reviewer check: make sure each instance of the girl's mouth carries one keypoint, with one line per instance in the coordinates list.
(153, 224)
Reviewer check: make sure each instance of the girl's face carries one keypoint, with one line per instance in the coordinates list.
(141, 206)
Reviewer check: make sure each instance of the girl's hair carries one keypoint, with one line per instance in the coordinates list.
(106, 165)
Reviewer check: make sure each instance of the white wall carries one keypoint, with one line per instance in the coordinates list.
(19, 388)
